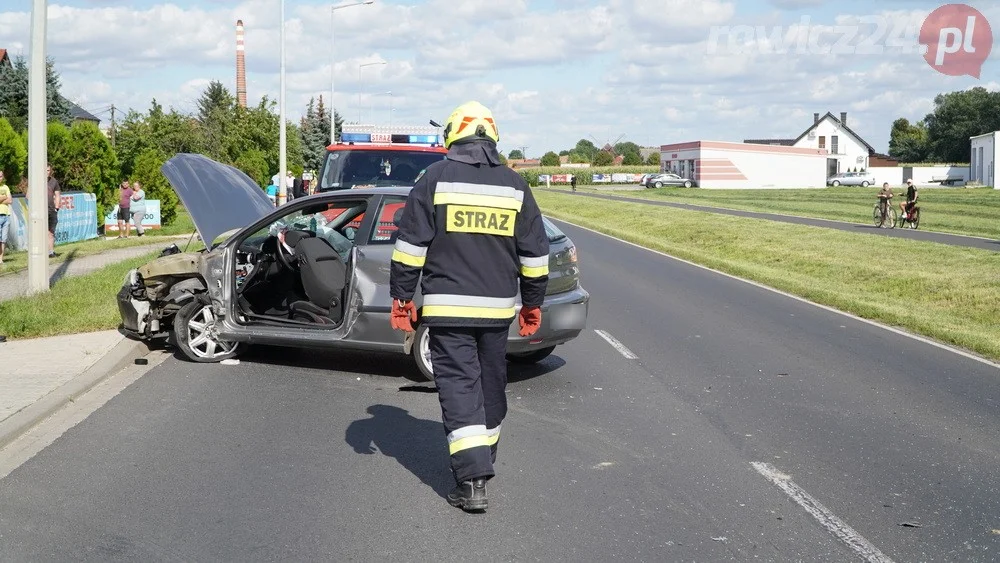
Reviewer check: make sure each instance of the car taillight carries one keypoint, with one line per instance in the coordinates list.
(572, 254)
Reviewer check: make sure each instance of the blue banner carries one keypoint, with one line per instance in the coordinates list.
(77, 220)
(151, 220)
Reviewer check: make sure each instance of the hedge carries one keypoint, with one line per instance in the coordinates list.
(531, 175)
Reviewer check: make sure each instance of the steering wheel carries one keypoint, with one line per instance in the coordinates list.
(285, 255)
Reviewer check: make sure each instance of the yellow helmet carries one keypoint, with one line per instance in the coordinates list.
(470, 120)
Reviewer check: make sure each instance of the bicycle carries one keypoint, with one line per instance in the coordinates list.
(912, 220)
(884, 218)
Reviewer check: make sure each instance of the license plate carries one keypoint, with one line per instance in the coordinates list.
(568, 317)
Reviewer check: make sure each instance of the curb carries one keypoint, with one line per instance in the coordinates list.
(122, 355)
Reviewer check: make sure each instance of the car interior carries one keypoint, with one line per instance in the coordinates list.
(297, 269)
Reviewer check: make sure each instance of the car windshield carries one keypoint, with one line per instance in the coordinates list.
(347, 169)
(553, 232)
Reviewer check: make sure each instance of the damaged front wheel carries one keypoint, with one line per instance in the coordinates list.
(195, 336)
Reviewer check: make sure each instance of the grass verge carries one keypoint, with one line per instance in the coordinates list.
(953, 293)
(78, 304)
(966, 211)
(14, 262)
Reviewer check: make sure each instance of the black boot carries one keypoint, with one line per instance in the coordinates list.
(469, 495)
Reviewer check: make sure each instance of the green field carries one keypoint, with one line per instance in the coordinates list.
(966, 211)
(953, 292)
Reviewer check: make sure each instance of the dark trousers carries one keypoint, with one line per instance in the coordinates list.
(470, 370)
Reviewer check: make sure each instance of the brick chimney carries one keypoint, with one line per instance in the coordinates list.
(815, 118)
(241, 68)
(843, 118)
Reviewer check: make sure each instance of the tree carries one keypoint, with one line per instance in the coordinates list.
(13, 154)
(516, 154)
(550, 159)
(632, 158)
(14, 94)
(578, 158)
(92, 166)
(314, 129)
(586, 149)
(216, 97)
(908, 142)
(216, 116)
(564, 153)
(503, 159)
(958, 116)
(653, 159)
(603, 158)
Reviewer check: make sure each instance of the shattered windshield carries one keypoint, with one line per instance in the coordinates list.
(350, 169)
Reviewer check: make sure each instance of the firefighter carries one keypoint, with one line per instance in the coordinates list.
(472, 228)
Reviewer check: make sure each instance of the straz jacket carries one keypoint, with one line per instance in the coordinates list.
(474, 230)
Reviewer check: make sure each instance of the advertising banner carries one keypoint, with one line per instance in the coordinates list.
(77, 220)
(151, 220)
(602, 178)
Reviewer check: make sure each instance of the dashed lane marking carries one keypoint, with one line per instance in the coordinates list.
(829, 520)
(622, 349)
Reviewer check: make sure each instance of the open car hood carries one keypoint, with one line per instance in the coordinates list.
(218, 197)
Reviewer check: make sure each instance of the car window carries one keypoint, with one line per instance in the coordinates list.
(336, 222)
(389, 213)
(348, 169)
(553, 232)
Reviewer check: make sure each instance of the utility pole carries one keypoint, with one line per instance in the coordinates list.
(38, 155)
(524, 152)
(112, 125)
(282, 133)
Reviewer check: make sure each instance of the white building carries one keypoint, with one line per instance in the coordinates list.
(846, 149)
(717, 164)
(985, 155)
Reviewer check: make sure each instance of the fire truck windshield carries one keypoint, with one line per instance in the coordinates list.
(348, 169)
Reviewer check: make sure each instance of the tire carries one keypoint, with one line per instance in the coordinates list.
(531, 357)
(658, 184)
(421, 352)
(877, 216)
(186, 330)
(835, 183)
(687, 184)
(915, 221)
(865, 184)
(891, 218)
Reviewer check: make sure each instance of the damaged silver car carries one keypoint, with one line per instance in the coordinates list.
(313, 272)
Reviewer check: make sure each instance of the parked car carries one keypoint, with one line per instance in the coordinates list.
(311, 273)
(668, 179)
(863, 179)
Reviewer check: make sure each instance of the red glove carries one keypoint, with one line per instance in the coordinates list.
(404, 314)
(530, 319)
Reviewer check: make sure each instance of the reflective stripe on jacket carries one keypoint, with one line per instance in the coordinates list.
(474, 231)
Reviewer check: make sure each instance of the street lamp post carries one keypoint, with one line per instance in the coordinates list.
(282, 134)
(38, 274)
(361, 66)
(333, 68)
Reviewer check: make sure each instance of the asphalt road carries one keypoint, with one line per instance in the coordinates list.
(642, 452)
(867, 228)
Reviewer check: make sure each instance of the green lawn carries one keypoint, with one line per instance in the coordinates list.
(18, 261)
(76, 304)
(967, 211)
(954, 292)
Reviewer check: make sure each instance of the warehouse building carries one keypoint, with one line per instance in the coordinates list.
(985, 154)
(719, 164)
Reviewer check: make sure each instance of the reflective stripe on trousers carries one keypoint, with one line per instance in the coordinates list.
(470, 371)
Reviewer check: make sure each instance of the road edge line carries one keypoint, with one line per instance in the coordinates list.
(901, 332)
(115, 360)
(617, 345)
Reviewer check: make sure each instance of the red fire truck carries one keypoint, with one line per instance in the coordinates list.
(370, 156)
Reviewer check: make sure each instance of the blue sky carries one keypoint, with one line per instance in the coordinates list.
(553, 71)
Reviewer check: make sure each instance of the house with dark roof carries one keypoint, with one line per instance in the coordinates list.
(76, 113)
(846, 150)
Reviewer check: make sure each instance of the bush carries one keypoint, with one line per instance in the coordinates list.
(583, 175)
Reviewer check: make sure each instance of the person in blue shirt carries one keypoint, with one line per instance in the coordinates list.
(272, 192)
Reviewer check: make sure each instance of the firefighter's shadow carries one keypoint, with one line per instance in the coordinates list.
(417, 444)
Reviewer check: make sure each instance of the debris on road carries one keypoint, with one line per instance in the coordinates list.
(720, 538)
(910, 525)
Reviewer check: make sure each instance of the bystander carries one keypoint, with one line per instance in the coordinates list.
(138, 208)
(55, 198)
(5, 211)
(124, 209)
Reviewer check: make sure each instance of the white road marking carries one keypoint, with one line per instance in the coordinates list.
(918, 338)
(829, 520)
(618, 345)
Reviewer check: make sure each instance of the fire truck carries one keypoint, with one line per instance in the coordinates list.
(372, 156)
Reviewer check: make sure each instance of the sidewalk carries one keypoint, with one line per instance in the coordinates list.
(16, 285)
(40, 375)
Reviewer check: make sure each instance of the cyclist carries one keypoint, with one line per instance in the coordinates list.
(911, 199)
(884, 195)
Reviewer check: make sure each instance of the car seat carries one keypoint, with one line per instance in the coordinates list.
(324, 276)
(396, 217)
